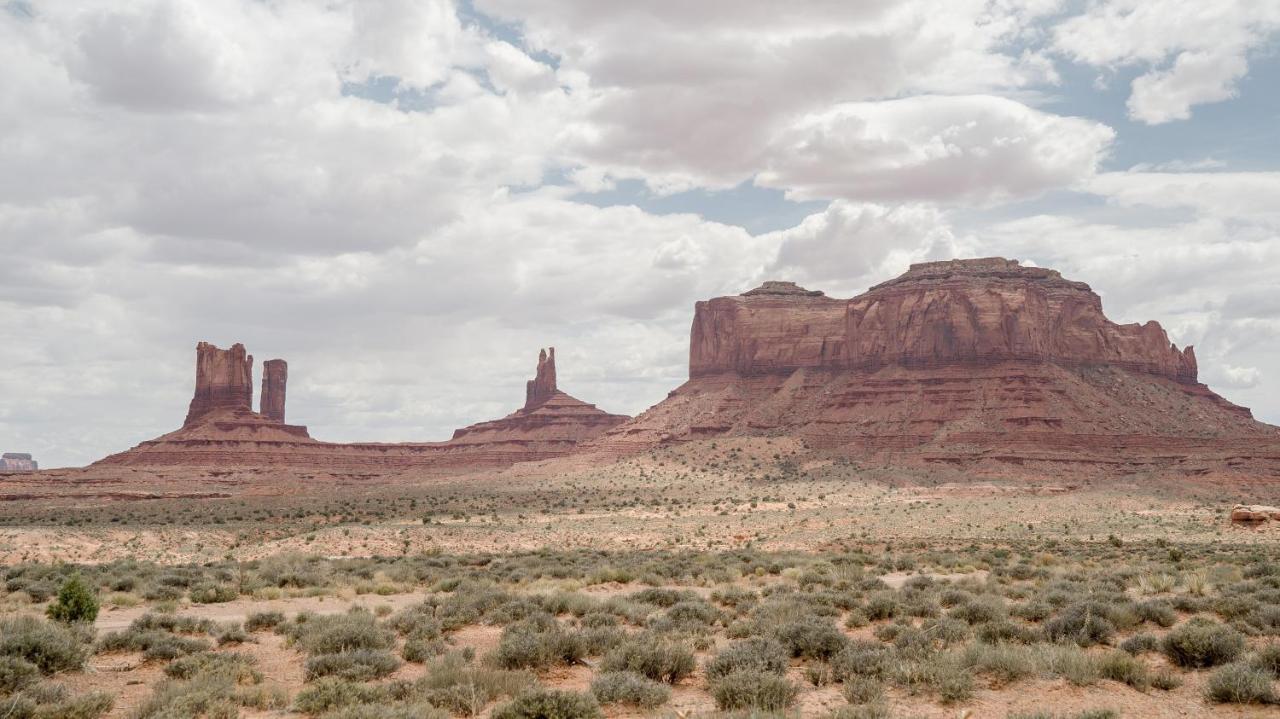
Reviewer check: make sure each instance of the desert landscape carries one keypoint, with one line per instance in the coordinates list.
(964, 492)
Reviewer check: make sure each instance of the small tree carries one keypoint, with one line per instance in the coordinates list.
(76, 602)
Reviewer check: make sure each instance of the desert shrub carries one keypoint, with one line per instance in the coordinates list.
(387, 711)
(89, 705)
(532, 644)
(1085, 623)
(663, 597)
(16, 674)
(1156, 612)
(259, 621)
(747, 689)
(810, 638)
(629, 688)
(1141, 644)
(658, 659)
(76, 602)
(597, 620)
(1165, 680)
(213, 593)
(1034, 611)
(598, 640)
(1198, 644)
(238, 667)
(550, 704)
(1267, 658)
(155, 644)
(354, 664)
(214, 697)
(1123, 667)
(1003, 631)
(873, 710)
(231, 633)
(1003, 663)
(50, 647)
(861, 657)
(863, 690)
(332, 693)
(1070, 663)
(418, 649)
(175, 623)
(980, 610)
(1239, 683)
(882, 605)
(759, 654)
(691, 613)
(454, 684)
(337, 633)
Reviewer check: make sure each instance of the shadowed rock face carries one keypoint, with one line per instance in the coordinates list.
(224, 380)
(275, 375)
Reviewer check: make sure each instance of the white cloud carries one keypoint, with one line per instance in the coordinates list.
(1193, 52)
(971, 148)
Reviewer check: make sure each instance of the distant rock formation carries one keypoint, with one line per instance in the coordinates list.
(221, 429)
(543, 385)
(275, 375)
(17, 462)
(224, 380)
(964, 362)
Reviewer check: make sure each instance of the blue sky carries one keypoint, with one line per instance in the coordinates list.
(407, 198)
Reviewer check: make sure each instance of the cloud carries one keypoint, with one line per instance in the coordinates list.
(1192, 52)
(971, 148)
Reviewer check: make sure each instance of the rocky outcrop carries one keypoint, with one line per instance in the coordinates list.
(225, 432)
(543, 385)
(224, 380)
(966, 363)
(18, 462)
(275, 375)
(1254, 513)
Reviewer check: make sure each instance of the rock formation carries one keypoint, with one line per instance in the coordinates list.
(18, 462)
(543, 385)
(1254, 513)
(963, 362)
(275, 375)
(224, 380)
(221, 429)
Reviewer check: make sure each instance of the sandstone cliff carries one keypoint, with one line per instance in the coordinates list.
(18, 462)
(224, 380)
(275, 375)
(963, 362)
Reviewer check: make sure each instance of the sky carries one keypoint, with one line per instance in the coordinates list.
(406, 199)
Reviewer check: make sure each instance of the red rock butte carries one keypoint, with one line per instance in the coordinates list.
(221, 428)
(978, 362)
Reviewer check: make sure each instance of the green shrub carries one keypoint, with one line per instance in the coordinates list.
(1124, 668)
(333, 692)
(76, 602)
(259, 621)
(861, 657)
(354, 664)
(1239, 683)
(337, 633)
(760, 654)
(1003, 663)
(16, 674)
(454, 684)
(810, 638)
(1141, 644)
(213, 593)
(1198, 644)
(1267, 658)
(233, 665)
(526, 645)
(629, 688)
(658, 659)
(50, 647)
(747, 689)
(1165, 680)
(1085, 623)
(89, 705)
(863, 690)
(550, 704)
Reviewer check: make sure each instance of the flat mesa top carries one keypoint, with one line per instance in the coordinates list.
(777, 288)
(15, 455)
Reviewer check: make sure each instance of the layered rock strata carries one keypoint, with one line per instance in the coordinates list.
(959, 362)
(275, 376)
(18, 462)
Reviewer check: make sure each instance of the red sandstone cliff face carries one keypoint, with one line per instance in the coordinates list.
(275, 375)
(224, 380)
(970, 362)
(938, 314)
